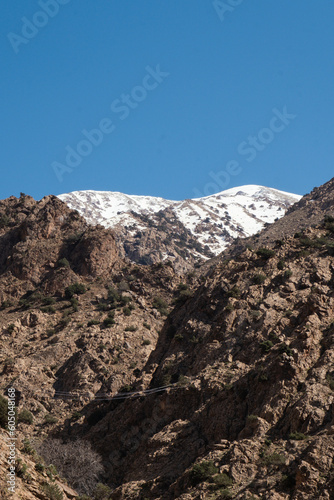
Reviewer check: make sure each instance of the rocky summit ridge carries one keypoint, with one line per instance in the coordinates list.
(209, 385)
(150, 229)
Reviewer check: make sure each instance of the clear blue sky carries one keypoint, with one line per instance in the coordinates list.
(224, 71)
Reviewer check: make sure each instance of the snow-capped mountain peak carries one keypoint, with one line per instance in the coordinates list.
(151, 228)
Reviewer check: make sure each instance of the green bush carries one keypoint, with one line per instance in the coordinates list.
(266, 345)
(48, 309)
(124, 300)
(21, 468)
(50, 419)
(126, 388)
(76, 416)
(284, 348)
(113, 295)
(265, 253)
(273, 459)
(4, 220)
(52, 491)
(63, 263)
(101, 492)
(5, 304)
(10, 328)
(183, 286)
(202, 472)
(25, 417)
(48, 301)
(297, 436)
(184, 296)
(108, 322)
(146, 325)
(74, 302)
(280, 265)
(131, 328)
(103, 307)
(76, 288)
(28, 448)
(229, 308)
(40, 467)
(222, 480)
(258, 279)
(161, 305)
(234, 292)
(93, 322)
(127, 311)
(146, 342)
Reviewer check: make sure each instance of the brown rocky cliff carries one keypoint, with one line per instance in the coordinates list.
(253, 354)
(35, 236)
(248, 355)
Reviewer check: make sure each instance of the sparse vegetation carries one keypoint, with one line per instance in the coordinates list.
(107, 322)
(10, 328)
(202, 472)
(161, 305)
(272, 459)
(131, 328)
(259, 278)
(25, 417)
(266, 345)
(63, 263)
(280, 265)
(234, 292)
(297, 436)
(284, 348)
(93, 322)
(4, 221)
(265, 253)
(76, 288)
(102, 492)
(50, 419)
(52, 491)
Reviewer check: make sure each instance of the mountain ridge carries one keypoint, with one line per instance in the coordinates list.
(151, 229)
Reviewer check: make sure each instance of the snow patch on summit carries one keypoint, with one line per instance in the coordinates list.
(214, 220)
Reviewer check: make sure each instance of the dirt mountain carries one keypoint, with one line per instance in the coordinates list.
(213, 386)
(74, 316)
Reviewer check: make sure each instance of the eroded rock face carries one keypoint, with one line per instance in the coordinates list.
(256, 343)
(247, 348)
(37, 235)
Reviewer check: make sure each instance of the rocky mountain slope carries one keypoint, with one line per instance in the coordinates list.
(213, 386)
(252, 352)
(150, 230)
(74, 316)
